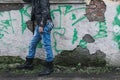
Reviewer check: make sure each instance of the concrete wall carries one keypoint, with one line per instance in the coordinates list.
(72, 28)
(51, 1)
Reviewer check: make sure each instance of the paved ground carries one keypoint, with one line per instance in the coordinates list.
(55, 76)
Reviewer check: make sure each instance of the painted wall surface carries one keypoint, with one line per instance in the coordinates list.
(51, 1)
(70, 27)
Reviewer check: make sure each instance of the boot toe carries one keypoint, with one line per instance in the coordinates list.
(45, 72)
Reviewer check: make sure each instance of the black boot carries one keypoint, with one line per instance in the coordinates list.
(48, 70)
(27, 65)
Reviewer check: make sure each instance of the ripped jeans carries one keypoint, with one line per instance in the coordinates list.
(46, 42)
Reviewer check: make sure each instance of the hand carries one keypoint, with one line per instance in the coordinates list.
(40, 29)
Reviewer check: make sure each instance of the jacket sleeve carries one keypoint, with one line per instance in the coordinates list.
(45, 10)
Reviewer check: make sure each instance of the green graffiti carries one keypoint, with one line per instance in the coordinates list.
(23, 12)
(83, 44)
(1, 35)
(10, 23)
(39, 45)
(5, 25)
(77, 21)
(60, 29)
(75, 37)
(116, 19)
(68, 10)
(56, 10)
(55, 39)
(73, 16)
(102, 30)
(117, 39)
(116, 26)
(56, 29)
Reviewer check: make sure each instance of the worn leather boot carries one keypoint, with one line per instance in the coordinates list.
(48, 70)
(27, 65)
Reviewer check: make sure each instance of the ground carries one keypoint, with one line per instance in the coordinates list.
(8, 71)
(60, 76)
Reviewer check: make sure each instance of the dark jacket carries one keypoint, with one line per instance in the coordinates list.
(40, 11)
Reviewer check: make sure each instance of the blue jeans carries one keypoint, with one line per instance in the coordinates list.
(46, 41)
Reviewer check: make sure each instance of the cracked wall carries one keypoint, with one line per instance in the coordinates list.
(95, 10)
(72, 28)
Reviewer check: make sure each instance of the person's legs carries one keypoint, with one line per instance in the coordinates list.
(33, 44)
(46, 39)
(32, 49)
(47, 46)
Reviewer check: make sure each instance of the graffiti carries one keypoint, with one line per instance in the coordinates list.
(83, 44)
(102, 30)
(23, 12)
(116, 27)
(69, 10)
(60, 14)
(78, 20)
(102, 33)
(75, 37)
(5, 25)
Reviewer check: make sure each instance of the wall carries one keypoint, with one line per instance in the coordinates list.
(51, 1)
(74, 25)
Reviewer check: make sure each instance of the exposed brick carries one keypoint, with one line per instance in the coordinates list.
(95, 10)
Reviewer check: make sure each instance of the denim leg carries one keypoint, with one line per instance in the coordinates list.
(47, 43)
(33, 44)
